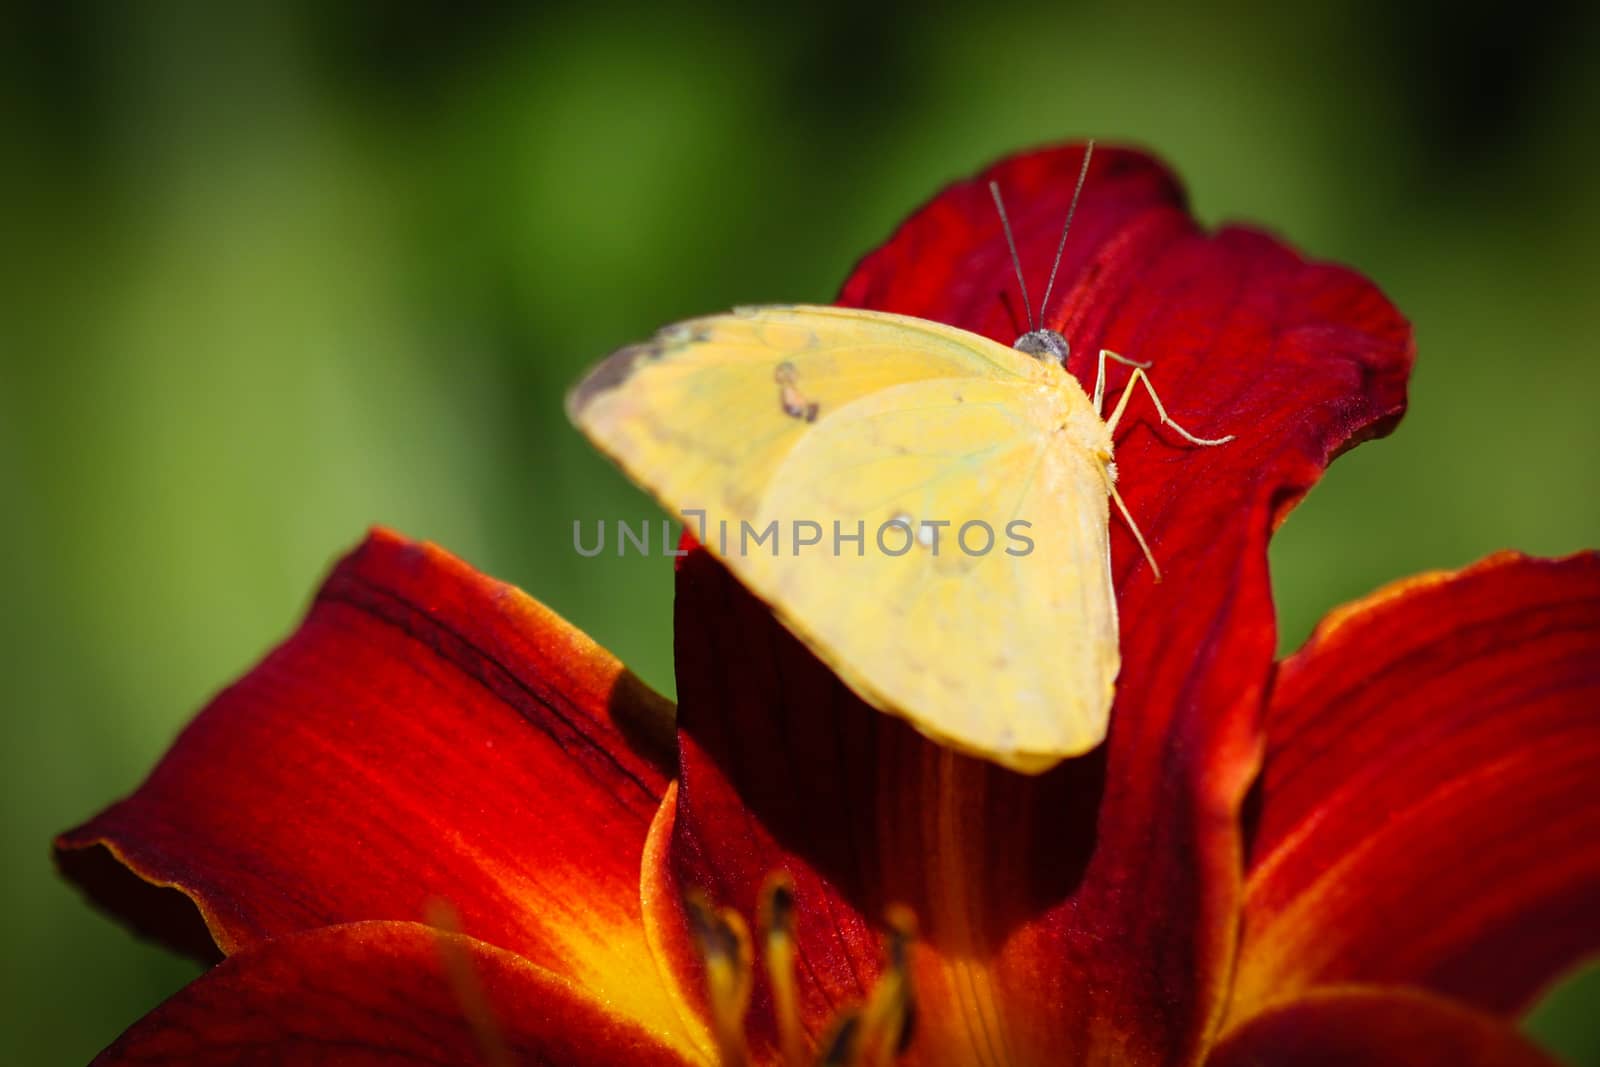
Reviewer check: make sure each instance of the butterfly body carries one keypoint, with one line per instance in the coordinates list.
(940, 505)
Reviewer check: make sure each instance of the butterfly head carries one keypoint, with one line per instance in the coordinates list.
(1040, 342)
(1043, 344)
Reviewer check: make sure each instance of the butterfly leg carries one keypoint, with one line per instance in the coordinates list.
(1100, 377)
(1166, 420)
(1137, 536)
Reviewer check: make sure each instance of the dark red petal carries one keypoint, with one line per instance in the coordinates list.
(383, 993)
(1429, 813)
(1359, 1026)
(1088, 913)
(426, 734)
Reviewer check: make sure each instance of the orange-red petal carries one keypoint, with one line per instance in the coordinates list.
(381, 994)
(1088, 913)
(1428, 811)
(427, 734)
(1375, 1027)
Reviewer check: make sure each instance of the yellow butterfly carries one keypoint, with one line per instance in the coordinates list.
(925, 508)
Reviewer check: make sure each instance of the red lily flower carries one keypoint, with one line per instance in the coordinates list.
(1376, 851)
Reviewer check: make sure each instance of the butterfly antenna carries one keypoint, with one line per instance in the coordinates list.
(1016, 260)
(1062, 247)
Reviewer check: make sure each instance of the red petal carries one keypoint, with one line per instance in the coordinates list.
(1088, 912)
(383, 993)
(1428, 805)
(427, 733)
(1375, 1027)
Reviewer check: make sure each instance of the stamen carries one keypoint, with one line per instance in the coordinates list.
(464, 983)
(873, 1035)
(777, 921)
(887, 1021)
(725, 947)
(840, 1048)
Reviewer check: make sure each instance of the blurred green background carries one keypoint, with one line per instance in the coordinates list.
(275, 273)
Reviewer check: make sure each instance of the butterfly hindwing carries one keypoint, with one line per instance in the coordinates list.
(977, 600)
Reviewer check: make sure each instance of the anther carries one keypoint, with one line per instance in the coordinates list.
(777, 922)
(875, 1034)
(839, 1050)
(889, 1016)
(725, 947)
